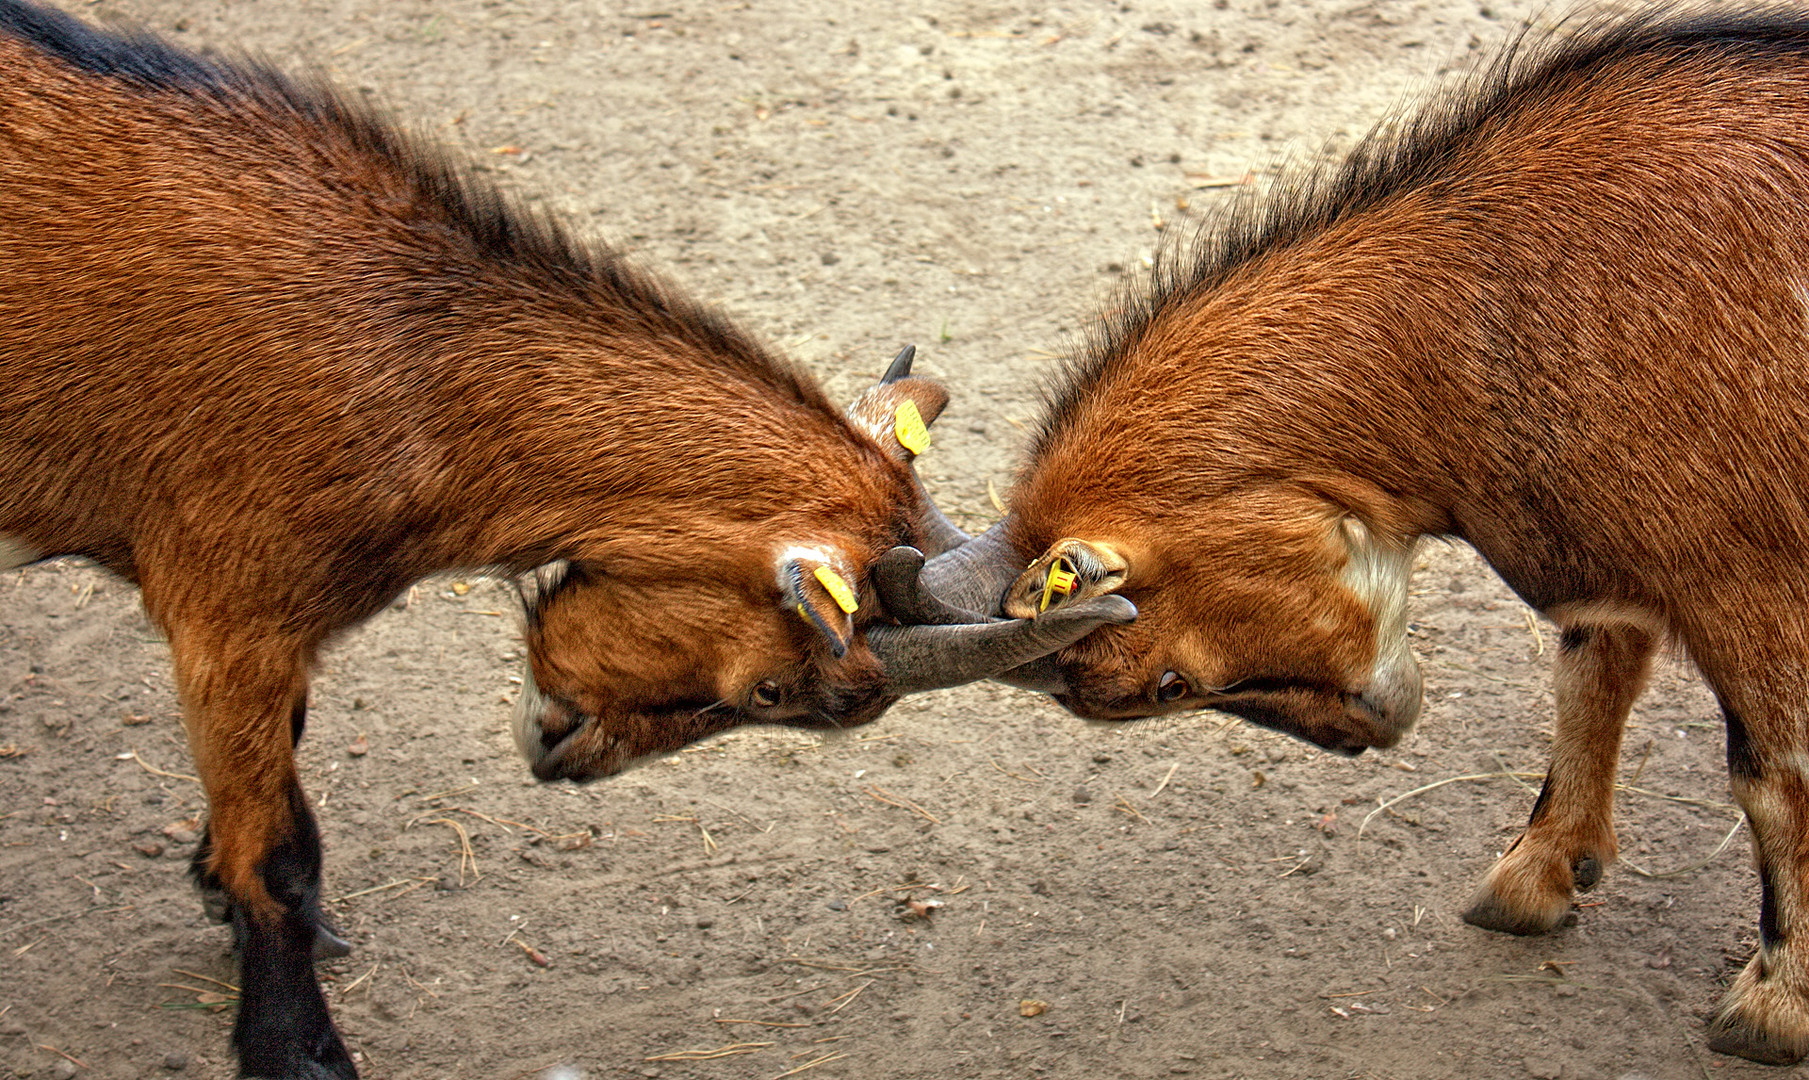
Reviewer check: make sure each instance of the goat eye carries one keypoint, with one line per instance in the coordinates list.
(1171, 687)
(766, 694)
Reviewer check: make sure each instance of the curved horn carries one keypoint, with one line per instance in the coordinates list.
(975, 575)
(1041, 676)
(939, 533)
(897, 578)
(920, 658)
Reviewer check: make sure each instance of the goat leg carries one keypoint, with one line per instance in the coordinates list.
(242, 698)
(328, 942)
(1765, 1014)
(1569, 840)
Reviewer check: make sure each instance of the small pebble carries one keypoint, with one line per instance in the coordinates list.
(175, 1061)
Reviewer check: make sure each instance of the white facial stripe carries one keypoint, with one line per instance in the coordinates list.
(14, 552)
(806, 554)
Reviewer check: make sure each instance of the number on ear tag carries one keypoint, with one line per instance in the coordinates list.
(838, 589)
(1061, 580)
(913, 435)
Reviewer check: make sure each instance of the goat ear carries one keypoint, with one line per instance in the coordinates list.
(898, 410)
(1071, 570)
(810, 585)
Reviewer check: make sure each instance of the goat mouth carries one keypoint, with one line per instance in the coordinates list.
(549, 755)
(550, 765)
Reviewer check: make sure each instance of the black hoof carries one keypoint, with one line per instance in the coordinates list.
(215, 905)
(328, 944)
(1585, 872)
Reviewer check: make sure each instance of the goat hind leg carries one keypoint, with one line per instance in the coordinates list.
(1765, 1014)
(1569, 839)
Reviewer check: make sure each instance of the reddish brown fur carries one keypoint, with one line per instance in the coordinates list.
(271, 363)
(1564, 318)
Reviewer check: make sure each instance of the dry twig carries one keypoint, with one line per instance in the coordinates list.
(467, 857)
(882, 795)
(155, 771)
(707, 1055)
(826, 1058)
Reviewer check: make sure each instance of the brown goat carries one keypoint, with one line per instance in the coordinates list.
(1563, 316)
(271, 362)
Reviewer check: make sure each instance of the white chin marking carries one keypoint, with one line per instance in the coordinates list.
(528, 708)
(15, 552)
(1378, 573)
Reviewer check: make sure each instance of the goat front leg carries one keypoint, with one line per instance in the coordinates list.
(241, 697)
(1765, 1015)
(1569, 840)
(327, 942)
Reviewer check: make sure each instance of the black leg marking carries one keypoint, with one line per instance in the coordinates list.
(283, 1029)
(298, 719)
(1770, 936)
(1742, 759)
(1539, 806)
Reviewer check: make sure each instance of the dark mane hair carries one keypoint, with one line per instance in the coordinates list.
(498, 229)
(1401, 155)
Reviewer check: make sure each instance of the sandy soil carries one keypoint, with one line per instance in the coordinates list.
(1193, 897)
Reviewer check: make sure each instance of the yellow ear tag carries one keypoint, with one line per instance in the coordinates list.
(1060, 580)
(913, 435)
(838, 590)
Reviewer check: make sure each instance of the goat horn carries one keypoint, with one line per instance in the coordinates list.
(901, 366)
(975, 575)
(955, 585)
(920, 658)
(1041, 676)
(896, 578)
(940, 535)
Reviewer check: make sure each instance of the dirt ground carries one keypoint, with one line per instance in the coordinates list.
(1193, 897)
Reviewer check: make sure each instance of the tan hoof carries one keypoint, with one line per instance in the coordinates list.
(1761, 1019)
(1528, 894)
(1491, 911)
